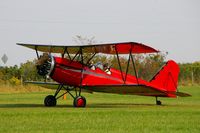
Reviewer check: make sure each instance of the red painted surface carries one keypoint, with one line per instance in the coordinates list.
(70, 73)
(80, 102)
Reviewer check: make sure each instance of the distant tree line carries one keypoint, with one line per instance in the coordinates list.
(15, 75)
(189, 73)
(146, 67)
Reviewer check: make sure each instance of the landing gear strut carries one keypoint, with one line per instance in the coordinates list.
(79, 101)
(158, 102)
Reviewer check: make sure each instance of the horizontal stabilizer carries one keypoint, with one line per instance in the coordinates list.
(181, 94)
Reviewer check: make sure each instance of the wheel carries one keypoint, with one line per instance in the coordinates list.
(158, 103)
(50, 101)
(79, 101)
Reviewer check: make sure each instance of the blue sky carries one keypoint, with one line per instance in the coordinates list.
(167, 25)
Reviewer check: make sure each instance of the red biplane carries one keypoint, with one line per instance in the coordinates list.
(73, 72)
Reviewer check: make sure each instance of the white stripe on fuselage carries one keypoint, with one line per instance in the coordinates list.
(88, 72)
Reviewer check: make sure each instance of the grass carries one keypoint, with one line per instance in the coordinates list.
(24, 112)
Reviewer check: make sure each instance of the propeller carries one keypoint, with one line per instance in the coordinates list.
(45, 64)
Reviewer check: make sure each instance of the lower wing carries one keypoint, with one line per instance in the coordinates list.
(50, 85)
(135, 89)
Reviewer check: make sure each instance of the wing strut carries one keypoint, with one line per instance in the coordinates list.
(63, 54)
(68, 54)
(92, 56)
(75, 56)
(134, 65)
(36, 52)
(127, 68)
(81, 54)
(119, 64)
(66, 51)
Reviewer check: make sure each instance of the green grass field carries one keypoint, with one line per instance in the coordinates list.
(25, 113)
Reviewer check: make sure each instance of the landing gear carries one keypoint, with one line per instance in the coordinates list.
(79, 101)
(50, 101)
(158, 102)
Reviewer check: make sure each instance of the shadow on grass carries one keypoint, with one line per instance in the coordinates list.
(92, 105)
(116, 105)
(30, 106)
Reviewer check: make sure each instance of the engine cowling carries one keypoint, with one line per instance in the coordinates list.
(45, 64)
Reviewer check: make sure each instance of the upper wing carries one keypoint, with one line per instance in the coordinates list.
(110, 48)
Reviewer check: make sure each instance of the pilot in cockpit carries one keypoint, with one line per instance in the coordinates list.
(99, 64)
(106, 68)
(92, 66)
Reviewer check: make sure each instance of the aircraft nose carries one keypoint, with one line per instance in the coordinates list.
(45, 64)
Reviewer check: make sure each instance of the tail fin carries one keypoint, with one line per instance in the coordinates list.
(167, 77)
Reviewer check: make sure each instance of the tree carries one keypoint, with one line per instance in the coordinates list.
(29, 71)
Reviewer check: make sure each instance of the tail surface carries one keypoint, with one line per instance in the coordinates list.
(167, 77)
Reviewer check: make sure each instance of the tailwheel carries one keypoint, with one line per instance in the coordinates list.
(158, 102)
(79, 101)
(50, 101)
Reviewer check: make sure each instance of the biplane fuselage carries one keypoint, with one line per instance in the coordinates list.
(69, 72)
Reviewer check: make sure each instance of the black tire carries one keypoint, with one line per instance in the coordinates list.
(79, 101)
(158, 102)
(50, 101)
